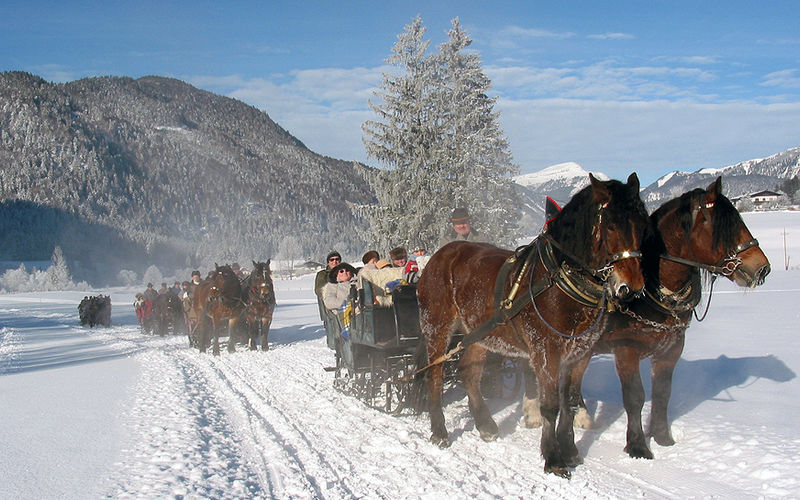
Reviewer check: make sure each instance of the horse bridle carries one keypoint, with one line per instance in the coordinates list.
(604, 272)
(728, 264)
(264, 297)
(725, 267)
(601, 274)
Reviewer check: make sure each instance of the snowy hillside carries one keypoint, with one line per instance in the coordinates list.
(739, 179)
(112, 413)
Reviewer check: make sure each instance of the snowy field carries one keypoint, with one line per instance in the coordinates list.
(108, 412)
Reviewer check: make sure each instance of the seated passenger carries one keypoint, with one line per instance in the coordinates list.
(333, 259)
(340, 280)
(399, 257)
(370, 259)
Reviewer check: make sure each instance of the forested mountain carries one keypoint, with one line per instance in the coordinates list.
(124, 173)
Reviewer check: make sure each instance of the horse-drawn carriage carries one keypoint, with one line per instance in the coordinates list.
(603, 277)
(95, 310)
(223, 300)
(378, 344)
(162, 315)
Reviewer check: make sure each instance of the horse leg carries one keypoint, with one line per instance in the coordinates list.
(439, 435)
(471, 370)
(532, 414)
(566, 420)
(231, 331)
(265, 322)
(575, 395)
(627, 364)
(252, 333)
(215, 333)
(202, 332)
(436, 346)
(547, 377)
(663, 367)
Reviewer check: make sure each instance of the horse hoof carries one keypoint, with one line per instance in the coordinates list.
(575, 461)
(560, 471)
(639, 452)
(489, 436)
(663, 439)
(441, 442)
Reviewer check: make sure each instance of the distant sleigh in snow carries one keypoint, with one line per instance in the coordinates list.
(95, 310)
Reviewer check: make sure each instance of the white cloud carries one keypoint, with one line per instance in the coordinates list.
(787, 79)
(611, 36)
(512, 37)
(526, 33)
(609, 118)
(651, 138)
(602, 80)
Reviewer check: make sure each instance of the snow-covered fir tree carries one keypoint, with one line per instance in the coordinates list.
(438, 139)
(58, 277)
(474, 151)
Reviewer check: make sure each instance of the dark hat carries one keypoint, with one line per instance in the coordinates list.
(185, 283)
(163, 284)
(195, 273)
(335, 271)
(149, 285)
(332, 254)
(235, 266)
(460, 215)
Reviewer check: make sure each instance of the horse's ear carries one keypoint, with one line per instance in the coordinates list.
(254, 264)
(268, 261)
(600, 190)
(633, 182)
(715, 188)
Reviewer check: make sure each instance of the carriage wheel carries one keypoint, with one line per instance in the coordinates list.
(397, 391)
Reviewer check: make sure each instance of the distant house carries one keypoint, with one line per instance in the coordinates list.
(765, 196)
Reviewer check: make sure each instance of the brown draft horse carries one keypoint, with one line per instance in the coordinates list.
(260, 304)
(699, 230)
(597, 235)
(215, 300)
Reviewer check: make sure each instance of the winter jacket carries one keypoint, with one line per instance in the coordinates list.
(473, 236)
(321, 280)
(333, 294)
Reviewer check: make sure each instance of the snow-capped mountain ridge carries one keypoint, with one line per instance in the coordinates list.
(563, 180)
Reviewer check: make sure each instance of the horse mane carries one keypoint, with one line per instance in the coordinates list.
(725, 223)
(231, 288)
(573, 226)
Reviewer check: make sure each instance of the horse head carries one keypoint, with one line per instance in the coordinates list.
(260, 281)
(713, 236)
(602, 229)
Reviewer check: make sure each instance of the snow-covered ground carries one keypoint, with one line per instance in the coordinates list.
(108, 412)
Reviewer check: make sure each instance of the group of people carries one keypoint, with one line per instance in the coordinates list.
(95, 310)
(336, 283)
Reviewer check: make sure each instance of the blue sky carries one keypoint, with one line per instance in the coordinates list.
(615, 86)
